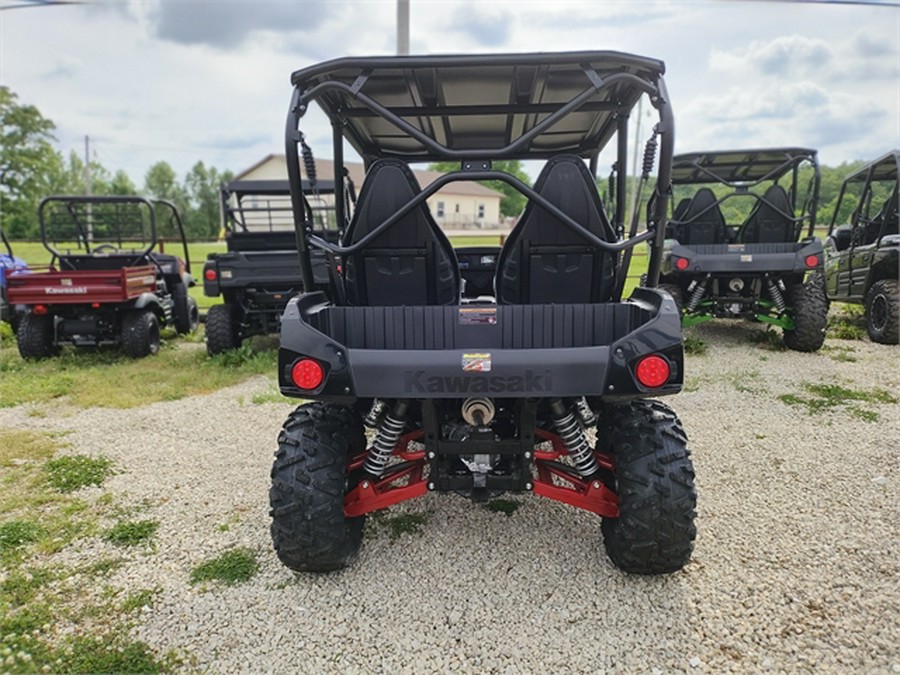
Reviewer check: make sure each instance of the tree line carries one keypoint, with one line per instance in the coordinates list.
(31, 168)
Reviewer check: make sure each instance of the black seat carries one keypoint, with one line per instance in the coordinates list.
(412, 262)
(543, 260)
(701, 222)
(771, 220)
(884, 223)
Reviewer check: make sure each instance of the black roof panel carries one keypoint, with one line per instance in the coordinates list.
(474, 105)
(737, 166)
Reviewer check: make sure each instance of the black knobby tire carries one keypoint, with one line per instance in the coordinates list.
(654, 479)
(223, 329)
(809, 311)
(140, 333)
(187, 314)
(35, 337)
(309, 481)
(883, 312)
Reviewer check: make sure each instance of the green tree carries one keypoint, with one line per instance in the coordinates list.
(513, 201)
(25, 151)
(201, 186)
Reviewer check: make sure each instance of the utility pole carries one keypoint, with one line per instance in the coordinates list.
(402, 27)
(87, 188)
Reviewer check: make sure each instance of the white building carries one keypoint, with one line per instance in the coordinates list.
(458, 206)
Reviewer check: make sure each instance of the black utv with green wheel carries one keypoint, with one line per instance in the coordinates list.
(862, 265)
(549, 386)
(259, 272)
(740, 241)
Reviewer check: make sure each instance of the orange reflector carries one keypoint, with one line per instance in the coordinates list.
(682, 263)
(307, 374)
(812, 260)
(652, 371)
(210, 275)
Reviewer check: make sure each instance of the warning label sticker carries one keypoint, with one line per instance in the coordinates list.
(476, 363)
(475, 316)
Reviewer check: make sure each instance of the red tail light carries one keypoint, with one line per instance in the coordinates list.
(682, 263)
(40, 310)
(307, 374)
(811, 260)
(210, 275)
(653, 371)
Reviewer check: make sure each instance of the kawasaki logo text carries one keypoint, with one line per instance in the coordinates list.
(416, 382)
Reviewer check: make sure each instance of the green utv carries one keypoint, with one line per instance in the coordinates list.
(740, 242)
(861, 257)
(547, 386)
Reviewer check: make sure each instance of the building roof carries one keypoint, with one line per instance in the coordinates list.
(356, 170)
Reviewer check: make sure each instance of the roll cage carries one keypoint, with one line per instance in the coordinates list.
(474, 110)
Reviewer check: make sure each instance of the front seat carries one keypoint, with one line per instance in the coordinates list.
(412, 262)
(543, 260)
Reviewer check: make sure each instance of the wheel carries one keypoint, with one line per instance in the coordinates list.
(654, 480)
(809, 309)
(309, 480)
(883, 312)
(187, 314)
(223, 329)
(35, 337)
(140, 333)
(675, 292)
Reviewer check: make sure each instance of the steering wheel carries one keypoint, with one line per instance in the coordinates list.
(104, 247)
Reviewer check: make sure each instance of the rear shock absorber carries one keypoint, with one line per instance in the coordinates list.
(777, 296)
(587, 416)
(572, 436)
(697, 294)
(386, 439)
(375, 412)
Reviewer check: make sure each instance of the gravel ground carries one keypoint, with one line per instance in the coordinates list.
(795, 567)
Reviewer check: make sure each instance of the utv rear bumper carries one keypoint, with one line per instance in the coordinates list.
(506, 351)
(743, 259)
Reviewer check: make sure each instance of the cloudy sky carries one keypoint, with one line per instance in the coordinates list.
(189, 80)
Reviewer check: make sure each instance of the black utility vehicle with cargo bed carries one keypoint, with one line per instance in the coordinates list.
(546, 387)
(108, 282)
(740, 241)
(862, 265)
(259, 272)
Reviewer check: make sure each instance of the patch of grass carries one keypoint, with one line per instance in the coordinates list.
(768, 339)
(231, 567)
(694, 345)
(95, 378)
(139, 599)
(109, 654)
(829, 396)
(22, 447)
(507, 506)
(131, 532)
(849, 323)
(748, 382)
(16, 533)
(404, 523)
(273, 395)
(842, 353)
(72, 472)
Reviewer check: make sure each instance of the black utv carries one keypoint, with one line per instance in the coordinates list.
(740, 241)
(259, 272)
(861, 257)
(546, 387)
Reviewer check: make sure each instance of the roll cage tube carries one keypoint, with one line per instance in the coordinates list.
(659, 99)
(443, 180)
(70, 200)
